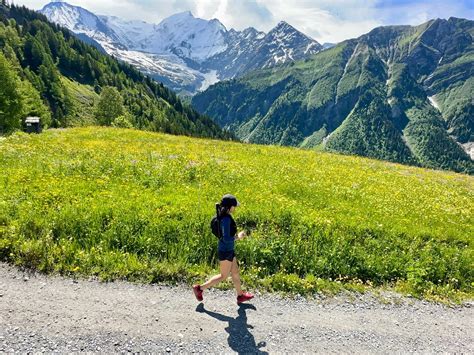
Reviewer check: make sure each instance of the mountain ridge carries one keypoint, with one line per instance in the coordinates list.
(185, 52)
(420, 81)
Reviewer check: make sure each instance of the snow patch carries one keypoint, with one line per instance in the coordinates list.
(433, 102)
(325, 139)
(167, 65)
(210, 78)
(309, 47)
(469, 149)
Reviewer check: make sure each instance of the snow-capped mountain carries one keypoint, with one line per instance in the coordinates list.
(181, 34)
(130, 33)
(184, 52)
(250, 49)
(79, 20)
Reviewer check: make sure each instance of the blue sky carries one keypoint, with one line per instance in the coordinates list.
(400, 11)
(324, 20)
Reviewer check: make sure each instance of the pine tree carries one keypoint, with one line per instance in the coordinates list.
(54, 90)
(35, 54)
(11, 104)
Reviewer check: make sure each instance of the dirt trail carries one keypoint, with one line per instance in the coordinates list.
(40, 313)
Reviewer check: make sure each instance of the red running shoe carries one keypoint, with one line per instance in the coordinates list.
(197, 292)
(246, 296)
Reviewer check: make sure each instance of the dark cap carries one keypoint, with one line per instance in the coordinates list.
(229, 200)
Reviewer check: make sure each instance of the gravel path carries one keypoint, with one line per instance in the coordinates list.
(54, 314)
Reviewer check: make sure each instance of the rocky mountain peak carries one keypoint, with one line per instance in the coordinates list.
(184, 49)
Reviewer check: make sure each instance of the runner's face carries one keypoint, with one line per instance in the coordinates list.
(232, 209)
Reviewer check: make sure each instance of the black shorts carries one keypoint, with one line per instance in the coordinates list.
(226, 255)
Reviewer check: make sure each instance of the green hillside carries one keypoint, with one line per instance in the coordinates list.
(399, 93)
(128, 204)
(50, 73)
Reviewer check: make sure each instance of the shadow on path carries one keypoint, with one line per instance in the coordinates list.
(240, 339)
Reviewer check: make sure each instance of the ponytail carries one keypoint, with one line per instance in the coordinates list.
(221, 211)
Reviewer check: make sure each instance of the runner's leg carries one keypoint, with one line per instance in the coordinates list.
(225, 266)
(236, 276)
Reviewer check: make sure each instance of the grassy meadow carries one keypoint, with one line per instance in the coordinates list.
(135, 205)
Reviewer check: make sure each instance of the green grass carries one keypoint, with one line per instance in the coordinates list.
(83, 100)
(127, 204)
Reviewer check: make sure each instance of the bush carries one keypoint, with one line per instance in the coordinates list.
(122, 121)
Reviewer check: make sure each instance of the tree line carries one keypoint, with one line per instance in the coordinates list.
(35, 55)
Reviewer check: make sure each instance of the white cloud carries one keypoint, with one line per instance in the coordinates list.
(329, 21)
(236, 14)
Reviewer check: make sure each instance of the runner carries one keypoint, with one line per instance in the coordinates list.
(225, 251)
